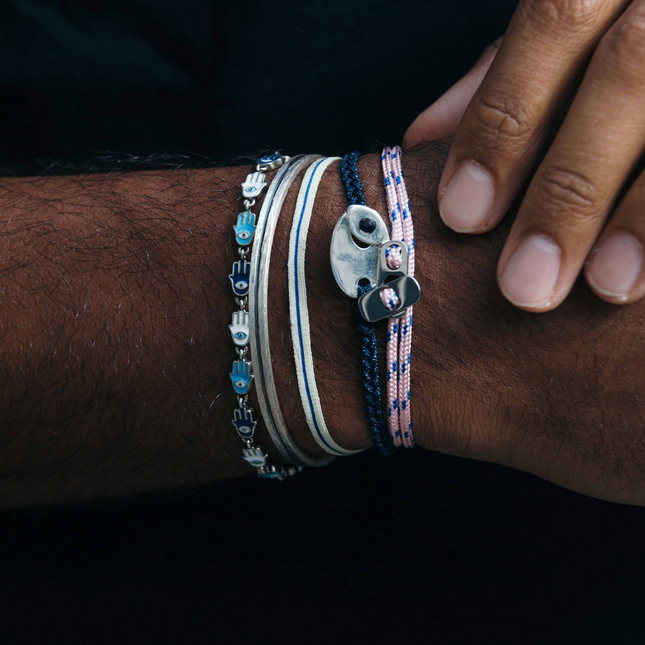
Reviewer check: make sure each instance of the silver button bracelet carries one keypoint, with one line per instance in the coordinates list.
(242, 372)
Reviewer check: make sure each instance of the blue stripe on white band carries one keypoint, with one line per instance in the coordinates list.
(299, 311)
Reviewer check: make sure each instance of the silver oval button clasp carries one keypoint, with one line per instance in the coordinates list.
(355, 247)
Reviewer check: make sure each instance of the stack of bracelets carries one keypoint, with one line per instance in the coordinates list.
(369, 265)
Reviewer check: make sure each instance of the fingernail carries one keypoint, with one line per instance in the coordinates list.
(532, 272)
(468, 198)
(615, 266)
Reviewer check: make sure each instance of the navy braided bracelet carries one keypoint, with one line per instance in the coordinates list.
(364, 330)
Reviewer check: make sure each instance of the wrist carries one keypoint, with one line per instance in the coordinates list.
(335, 348)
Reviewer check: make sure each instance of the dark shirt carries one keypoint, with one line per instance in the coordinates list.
(481, 553)
(229, 78)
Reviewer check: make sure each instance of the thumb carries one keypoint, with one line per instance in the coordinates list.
(442, 118)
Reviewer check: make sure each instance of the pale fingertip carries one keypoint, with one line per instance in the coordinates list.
(614, 267)
(466, 202)
(531, 274)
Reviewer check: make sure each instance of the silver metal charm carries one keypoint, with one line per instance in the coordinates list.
(273, 472)
(255, 455)
(355, 247)
(241, 376)
(271, 162)
(383, 271)
(254, 185)
(239, 328)
(372, 308)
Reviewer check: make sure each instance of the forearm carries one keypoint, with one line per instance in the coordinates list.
(115, 347)
(116, 351)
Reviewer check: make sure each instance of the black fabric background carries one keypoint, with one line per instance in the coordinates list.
(446, 549)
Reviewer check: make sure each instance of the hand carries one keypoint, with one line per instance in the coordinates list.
(240, 278)
(244, 228)
(241, 376)
(244, 422)
(253, 186)
(239, 328)
(552, 48)
(559, 396)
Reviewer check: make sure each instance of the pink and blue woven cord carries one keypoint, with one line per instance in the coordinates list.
(399, 335)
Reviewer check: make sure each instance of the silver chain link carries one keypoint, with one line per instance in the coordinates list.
(241, 375)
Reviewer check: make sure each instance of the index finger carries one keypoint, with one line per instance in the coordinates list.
(544, 50)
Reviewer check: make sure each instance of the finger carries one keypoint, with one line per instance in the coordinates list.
(574, 189)
(614, 270)
(543, 52)
(442, 117)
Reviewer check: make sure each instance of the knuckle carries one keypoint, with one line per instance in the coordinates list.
(561, 190)
(563, 13)
(622, 48)
(501, 118)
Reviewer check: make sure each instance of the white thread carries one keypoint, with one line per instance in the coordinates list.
(299, 311)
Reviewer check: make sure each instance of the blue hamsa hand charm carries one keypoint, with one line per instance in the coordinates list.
(244, 228)
(244, 422)
(241, 376)
(240, 277)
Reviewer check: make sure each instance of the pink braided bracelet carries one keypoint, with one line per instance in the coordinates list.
(399, 335)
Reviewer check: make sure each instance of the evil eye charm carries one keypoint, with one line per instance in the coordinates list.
(245, 228)
(239, 328)
(240, 277)
(255, 456)
(254, 185)
(271, 162)
(241, 376)
(244, 422)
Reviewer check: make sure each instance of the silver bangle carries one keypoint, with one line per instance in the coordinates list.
(258, 309)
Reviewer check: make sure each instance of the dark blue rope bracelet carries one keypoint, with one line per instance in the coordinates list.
(364, 330)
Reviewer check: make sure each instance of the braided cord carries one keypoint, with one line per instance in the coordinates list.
(399, 338)
(364, 330)
(349, 173)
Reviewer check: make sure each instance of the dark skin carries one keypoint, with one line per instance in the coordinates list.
(114, 307)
